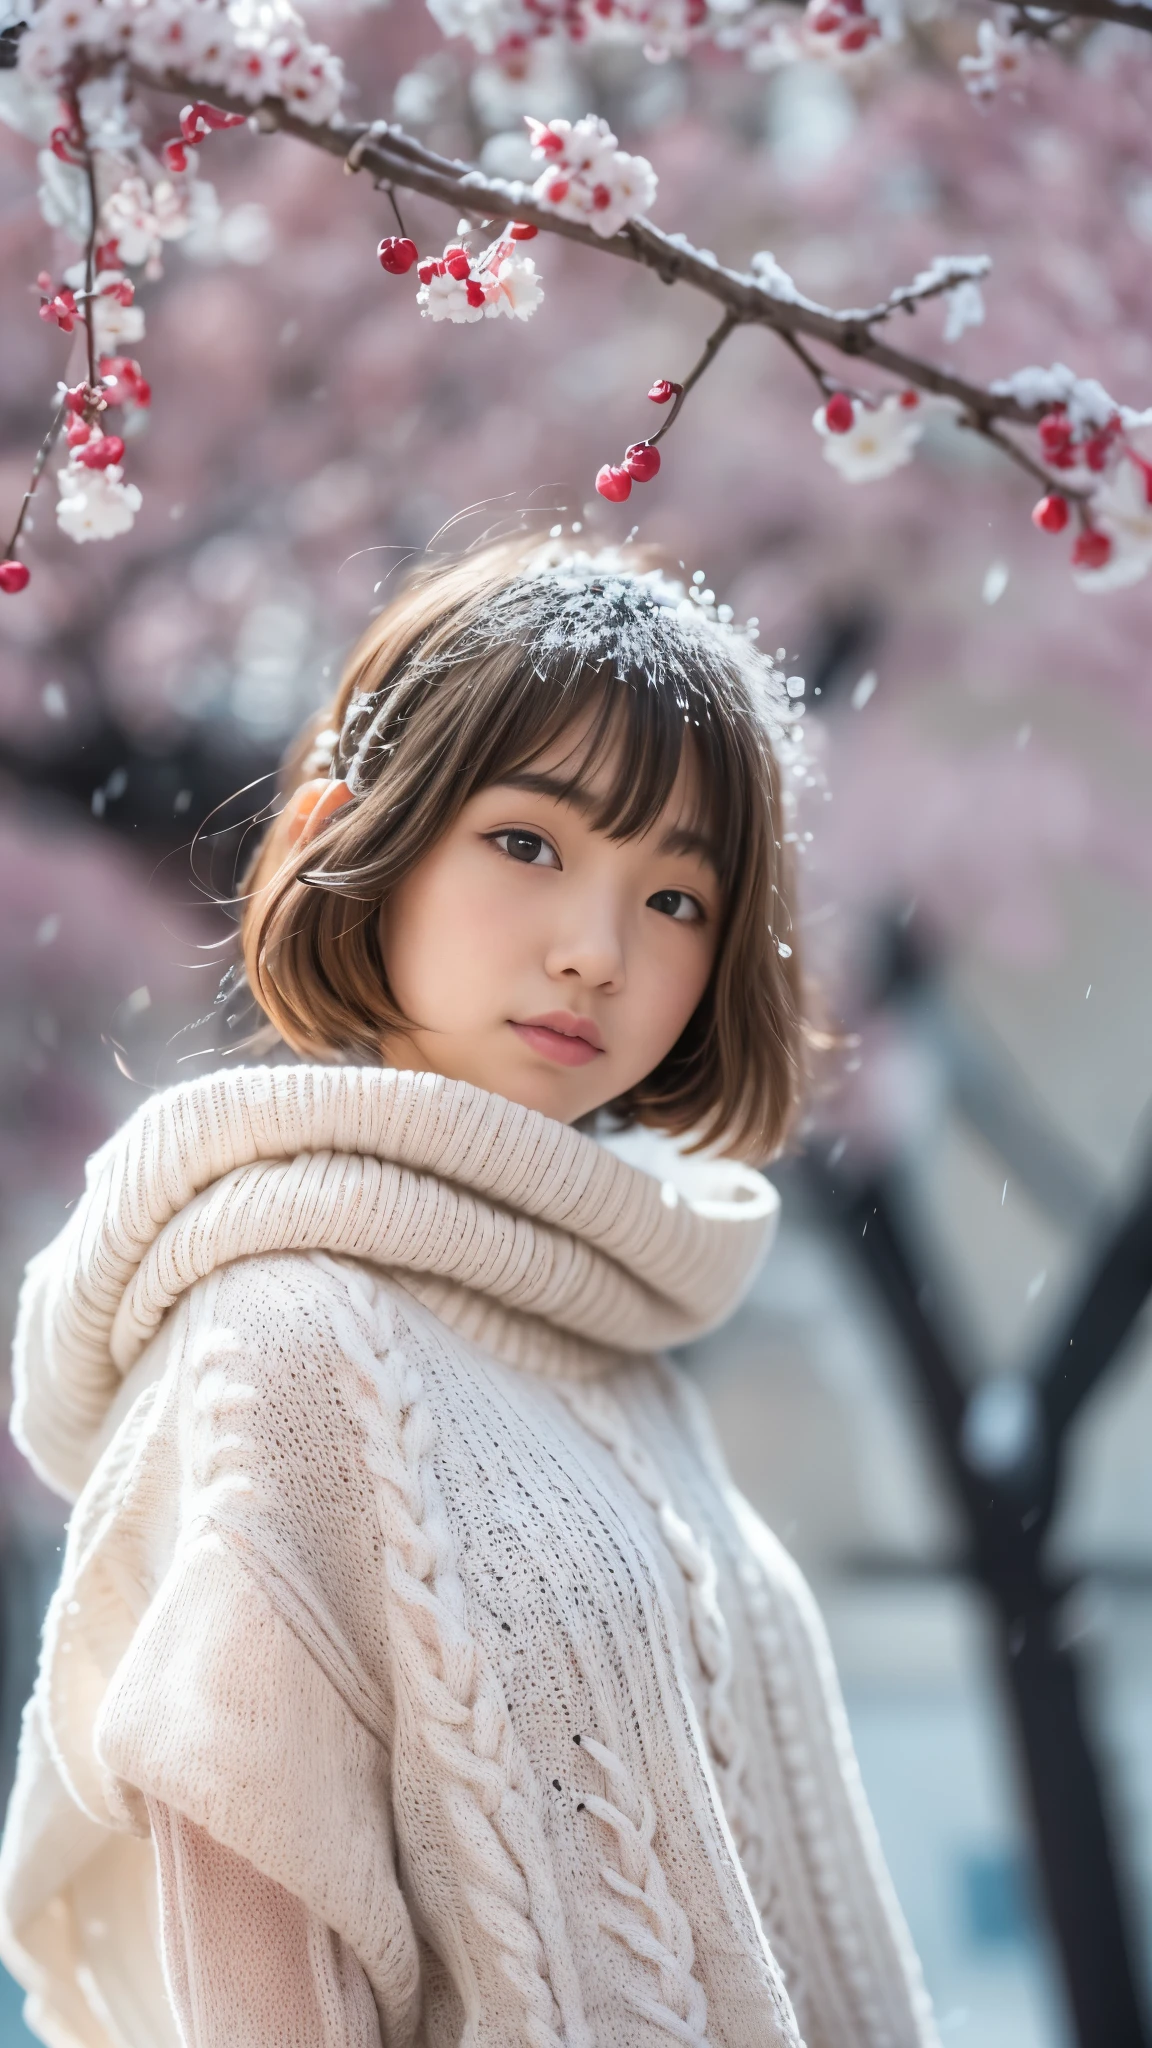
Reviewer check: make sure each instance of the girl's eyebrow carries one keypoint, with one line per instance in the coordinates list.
(679, 839)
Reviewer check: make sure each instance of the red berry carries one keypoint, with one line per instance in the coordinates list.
(855, 38)
(432, 266)
(601, 197)
(558, 190)
(1096, 450)
(76, 397)
(475, 292)
(458, 265)
(1092, 550)
(78, 432)
(909, 399)
(101, 451)
(397, 253)
(839, 413)
(124, 382)
(663, 389)
(1051, 514)
(522, 231)
(827, 20)
(14, 577)
(642, 461)
(175, 155)
(1055, 437)
(613, 482)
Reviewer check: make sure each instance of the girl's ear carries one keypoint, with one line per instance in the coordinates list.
(311, 805)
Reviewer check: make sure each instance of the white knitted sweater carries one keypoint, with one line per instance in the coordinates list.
(416, 1675)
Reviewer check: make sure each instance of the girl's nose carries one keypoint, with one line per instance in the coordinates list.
(590, 950)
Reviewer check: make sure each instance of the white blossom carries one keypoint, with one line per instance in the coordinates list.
(999, 59)
(109, 118)
(140, 217)
(446, 298)
(881, 439)
(1121, 509)
(117, 327)
(515, 289)
(96, 504)
(587, 178)
(63, 196)
(253, 48)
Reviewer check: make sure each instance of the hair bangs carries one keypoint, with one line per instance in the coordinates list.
(630, 736)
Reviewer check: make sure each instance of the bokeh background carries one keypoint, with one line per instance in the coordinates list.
(976, 860)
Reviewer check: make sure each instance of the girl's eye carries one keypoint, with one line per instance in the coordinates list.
(676, 903)
(527, 847)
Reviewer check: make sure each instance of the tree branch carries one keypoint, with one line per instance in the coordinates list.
(393, 158)
(1135, 16)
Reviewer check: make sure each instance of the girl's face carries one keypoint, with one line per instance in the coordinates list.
(541, 959)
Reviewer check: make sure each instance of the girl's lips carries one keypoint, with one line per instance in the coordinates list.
(561, 1042)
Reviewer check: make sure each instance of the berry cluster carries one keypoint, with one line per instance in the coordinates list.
(459, 286)
(1097, 458)
(95, 502)
(843, 25)
(614, 480)
(1064, 448)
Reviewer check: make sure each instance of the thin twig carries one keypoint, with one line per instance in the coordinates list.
(42, 454)
(1020, 456)
(824, 383)
(90, 251)
(712, 347)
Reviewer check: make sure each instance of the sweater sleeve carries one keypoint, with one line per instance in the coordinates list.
(207, 1671)
(246, 1963)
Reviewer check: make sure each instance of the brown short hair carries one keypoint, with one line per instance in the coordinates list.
(475, 668)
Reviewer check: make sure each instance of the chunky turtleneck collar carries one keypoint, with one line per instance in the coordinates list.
(537, 1242)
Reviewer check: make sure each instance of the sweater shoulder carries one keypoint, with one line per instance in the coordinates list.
(268, 1389)
(280, 1307)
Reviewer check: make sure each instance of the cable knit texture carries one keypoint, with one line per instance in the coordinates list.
(416, 1676)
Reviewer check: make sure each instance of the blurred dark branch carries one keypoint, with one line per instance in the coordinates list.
(1114, 1295)
(1006, 1514)
(1043, 20)
(987, 1086)
(393, 158)
(1001, 1438)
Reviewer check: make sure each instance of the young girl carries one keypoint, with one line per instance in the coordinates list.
(416, 1674)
